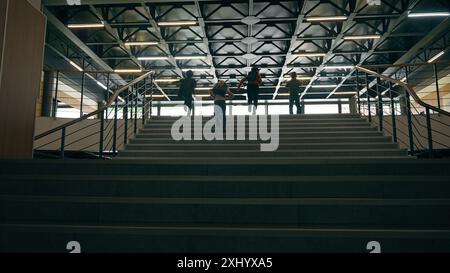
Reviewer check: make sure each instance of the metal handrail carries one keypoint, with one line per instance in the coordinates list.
(407, 87)
(98, 111)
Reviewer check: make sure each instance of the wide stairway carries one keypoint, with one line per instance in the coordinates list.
(334, 185)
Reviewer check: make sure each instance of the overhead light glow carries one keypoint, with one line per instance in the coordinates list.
(155, 58)
(195, 69)
(141, 43)
(311, 54)
(324, 86)
(437, 56)
(155, 96)
(339, 67)
(362, 37)
(428, 14)
(166, 80)
(96, 25)
(326, 18)
(128, 70)
(177, 23)
(101, 85)
(190, 57)
(345, 93)
(203, 88)
(76, 66)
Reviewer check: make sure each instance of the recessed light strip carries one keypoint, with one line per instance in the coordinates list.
(95, 25)
(437, 56)
(326, 18)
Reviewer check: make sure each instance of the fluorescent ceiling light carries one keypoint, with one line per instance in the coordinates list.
(437, 56)
(167, 80)
(362, 37)
(428, 14)
(339, 67)
(311, 54)
(203, 95)
(155, 58)
(324, 86)
(177, 23)
(128, 70)
(190, 57)
(140, 43)
(155, 96)
(196, 69)
(203, 88)
(76, 66)
(345, 93)
(326, 18)
(96, 25)
(101, 85)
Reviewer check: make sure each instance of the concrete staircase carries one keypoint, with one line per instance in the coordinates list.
(300, 138)
(321, 193)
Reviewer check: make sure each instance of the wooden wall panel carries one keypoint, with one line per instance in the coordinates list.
(20, 78)
(3, 5)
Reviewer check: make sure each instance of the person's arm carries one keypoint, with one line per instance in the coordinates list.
(229, 95)
(259, 79)
(241, 83)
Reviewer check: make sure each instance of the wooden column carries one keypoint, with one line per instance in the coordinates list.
(22, 32)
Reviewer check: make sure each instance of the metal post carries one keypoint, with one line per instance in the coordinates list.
(393, 114)
(102, 128)
(82, 94)
(136, 90)
(357, 92)
(339, 106)
(368, 98)
(63, 142)
(125, 113)
(115, 127)
(430, 133)
(55, 102)
(144, 100)
(380, 106)
(410, 129)
(437, 86)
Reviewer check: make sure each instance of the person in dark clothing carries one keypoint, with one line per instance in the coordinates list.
(253, 80)
(187, 90)
(294, 86)
(220, 93)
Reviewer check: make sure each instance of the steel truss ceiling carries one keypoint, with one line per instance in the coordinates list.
(280, 30)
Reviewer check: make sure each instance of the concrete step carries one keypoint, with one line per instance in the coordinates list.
(281, 117)
(360, 186)
(325, 166)
(258, 154)
(186, 146)
(271, 212)
(281, 126)
(286, 130)
(285, 140)
(305, 133)
(194, 239)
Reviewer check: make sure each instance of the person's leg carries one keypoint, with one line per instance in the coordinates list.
(256, 97)
(291, 104)
(297, 104)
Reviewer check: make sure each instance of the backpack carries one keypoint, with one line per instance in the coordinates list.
(252, 76)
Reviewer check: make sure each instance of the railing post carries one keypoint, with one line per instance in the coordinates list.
(357, 92)
(380, 106)
(82, 93)
(115, 128)
(144, 101)
(410, 129)
(393, 114)
(102, 128)
(125, 110)
(438, 97)
(136, 102)
(55, 102)
(430, 133)
(368, 99)
(63, 142)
